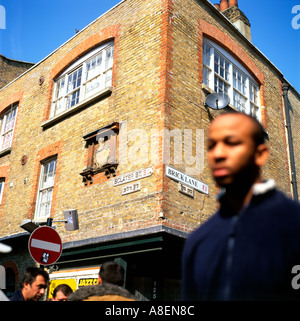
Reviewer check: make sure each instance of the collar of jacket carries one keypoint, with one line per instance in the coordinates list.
(258, 188)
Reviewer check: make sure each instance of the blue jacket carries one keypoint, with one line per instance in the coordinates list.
(248, 256)
(18, 296)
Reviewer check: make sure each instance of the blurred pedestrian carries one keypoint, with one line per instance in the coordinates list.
(110, 287)
(247, 250)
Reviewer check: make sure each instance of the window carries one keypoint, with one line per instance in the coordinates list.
(223, 73)
(2, 180)
(45, 191)
(8, 120)
(85, 78)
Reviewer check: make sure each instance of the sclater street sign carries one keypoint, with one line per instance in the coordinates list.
(133, 176)
(45, 245)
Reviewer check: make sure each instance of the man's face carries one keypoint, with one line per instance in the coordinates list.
(231, 149)
(60, 296)
(36, 290)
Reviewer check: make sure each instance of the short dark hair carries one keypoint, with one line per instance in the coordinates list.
(31, 273)
(112, 272)
(259, 133)
(64, 288)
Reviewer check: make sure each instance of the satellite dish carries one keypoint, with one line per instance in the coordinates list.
(217, 100)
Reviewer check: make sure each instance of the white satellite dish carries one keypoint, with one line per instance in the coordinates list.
(217, 100)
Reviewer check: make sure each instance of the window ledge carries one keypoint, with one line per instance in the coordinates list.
(51, 121)
(5, 151)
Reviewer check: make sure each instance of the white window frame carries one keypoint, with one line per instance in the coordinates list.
(89, 75)
(45, 187)
(8, 122)
(242, 89)
(2, 184)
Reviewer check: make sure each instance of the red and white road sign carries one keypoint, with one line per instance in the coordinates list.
(45, 245)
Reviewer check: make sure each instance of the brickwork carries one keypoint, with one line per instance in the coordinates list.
(157, 85)
(11, 69)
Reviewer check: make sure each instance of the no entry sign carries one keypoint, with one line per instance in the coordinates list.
(45, 245)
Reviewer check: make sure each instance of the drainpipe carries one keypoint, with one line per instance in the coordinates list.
(285, 88)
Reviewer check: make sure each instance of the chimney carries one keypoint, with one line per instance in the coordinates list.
(224, 5)
(233, 3)
(233, 13)
(217, 5)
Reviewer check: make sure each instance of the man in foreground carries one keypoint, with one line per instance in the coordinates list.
(33, 285)
(247, 250)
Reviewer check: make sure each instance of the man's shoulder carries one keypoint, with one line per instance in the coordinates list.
(99, 290)
(18, 296)
(279, 200)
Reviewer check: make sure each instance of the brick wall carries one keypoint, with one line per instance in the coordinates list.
(157, 84)
(11, 69)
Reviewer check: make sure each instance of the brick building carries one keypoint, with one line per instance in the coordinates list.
(11, 69)
(113, 124)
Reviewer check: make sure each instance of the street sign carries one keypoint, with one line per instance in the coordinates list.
(45, 245)
(186, 180)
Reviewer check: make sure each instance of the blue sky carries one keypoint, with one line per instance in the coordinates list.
(35, 28)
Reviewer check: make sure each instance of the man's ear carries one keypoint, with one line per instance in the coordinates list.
(99, 280)
(261, 155)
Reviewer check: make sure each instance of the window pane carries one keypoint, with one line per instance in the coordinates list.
(253, 93)
(239, 81)
(73, 99)
(108, 77)
(221, 66)
(74, 80)
(49, 174)
(93, 67)
(7, 140)
(1, 189)
(239, 101)
(206, 54)
(59, 106)
(8, 127)
(109, 57)
(220, 86)
(254, 110)
(206, 74)
(46, 189)
(60, 87)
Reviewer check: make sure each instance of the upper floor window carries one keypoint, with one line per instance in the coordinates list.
(8, 120)
(2, 181)
(223, 73)
(88, 76)
(45, 190)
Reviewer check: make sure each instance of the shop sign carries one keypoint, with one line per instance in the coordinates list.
(185, 179)
(87, 281)
(132, 176)
(54, 283)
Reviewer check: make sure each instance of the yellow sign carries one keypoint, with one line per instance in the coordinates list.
(87, 281)
(54, 283)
